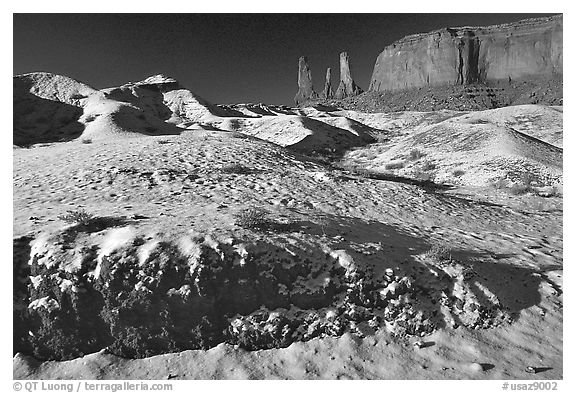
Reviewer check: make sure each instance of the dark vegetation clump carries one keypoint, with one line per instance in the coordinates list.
(78, 96)
(78, 217)
(238, 169)
(415, 154)
(428, 166)
(238, 135)
(519, 189)
(253, 218)
(394, 165)
(439, 253)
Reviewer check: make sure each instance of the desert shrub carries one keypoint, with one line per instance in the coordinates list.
(424, 176)
(236, 134)
(550, 191)
(557, 190)
(394, 165)
(415, 154)
(458, 172)
(235, 168)
(478, 121)
(252, 218)
(527, 179)
(370, 155)
(90, 118)
(519, 189)
(363, 172)
(428, 166)
(438, 253)
(78, 96)
(79, 217)
(500, 184)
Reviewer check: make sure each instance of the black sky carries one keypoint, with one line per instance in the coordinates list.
(224, 58)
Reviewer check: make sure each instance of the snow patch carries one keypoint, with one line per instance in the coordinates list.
(116, 238)
(45, 302)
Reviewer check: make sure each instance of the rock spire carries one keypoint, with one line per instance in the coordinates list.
(347, 86)
(327, 93)
(305, 89)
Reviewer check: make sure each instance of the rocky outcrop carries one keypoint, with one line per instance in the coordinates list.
(327, 93)
(347, 86)
(305, 88)
(96, 284)
(528, 49)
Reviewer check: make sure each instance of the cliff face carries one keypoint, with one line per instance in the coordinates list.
(531, 48)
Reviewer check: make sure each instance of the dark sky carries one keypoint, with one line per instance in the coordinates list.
(223, 58)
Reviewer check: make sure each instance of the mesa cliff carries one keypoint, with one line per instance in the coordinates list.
(528, 49)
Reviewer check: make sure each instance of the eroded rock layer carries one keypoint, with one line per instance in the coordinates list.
(528, 49)
(140, 295)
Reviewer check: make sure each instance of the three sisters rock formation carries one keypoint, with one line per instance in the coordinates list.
(346, 88)
(529, 49)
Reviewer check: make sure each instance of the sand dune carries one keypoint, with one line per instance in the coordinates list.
(184, 239)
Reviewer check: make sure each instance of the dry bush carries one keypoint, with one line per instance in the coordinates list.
(235, 168)
(519, 189)
(79, 217)
(438, 253)
(424, 176)
(415, 154)
(500, 184)
(252, 218)
(239, 135)
(371, 155)
(428, 166)
(394, 165)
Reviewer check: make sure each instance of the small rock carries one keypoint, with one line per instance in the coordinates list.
(419, 344)
(530, 370)
(476, 367)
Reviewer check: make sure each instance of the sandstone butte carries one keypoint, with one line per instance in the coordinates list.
(527, 49)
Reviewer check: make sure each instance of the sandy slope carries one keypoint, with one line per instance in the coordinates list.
(477, 148)
(158, 164)
(518, 250)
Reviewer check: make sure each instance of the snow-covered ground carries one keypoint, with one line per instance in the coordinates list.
(160, 169)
